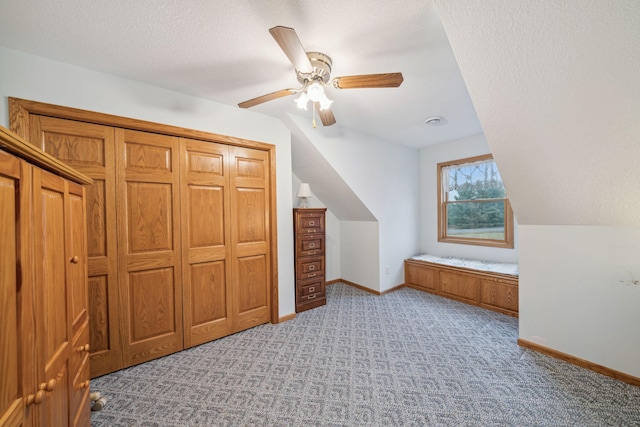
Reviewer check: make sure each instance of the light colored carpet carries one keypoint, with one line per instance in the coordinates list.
(406, 358)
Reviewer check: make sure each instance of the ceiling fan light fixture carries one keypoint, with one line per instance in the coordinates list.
(302, 101)
(325, 103)
(313, 72)
(315, 92)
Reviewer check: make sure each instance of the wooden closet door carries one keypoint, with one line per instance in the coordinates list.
(250, 251)
(53, 331)
(89, 148)
(205, 241)
(16, 312)
(149, 245)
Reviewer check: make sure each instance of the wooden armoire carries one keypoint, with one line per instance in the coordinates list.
(181, 230)
(44, 331)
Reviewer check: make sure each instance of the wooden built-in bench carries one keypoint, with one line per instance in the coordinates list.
(489, 285)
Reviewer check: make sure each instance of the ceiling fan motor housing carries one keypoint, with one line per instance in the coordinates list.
(321, 64)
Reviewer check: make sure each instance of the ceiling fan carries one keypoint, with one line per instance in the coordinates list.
(313, 70)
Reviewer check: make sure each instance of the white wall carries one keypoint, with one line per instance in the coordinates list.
(360, 251)
(35, 78)
(385, 177)
(429, 159)
(579, 292)
(555, 85)
(332, 232)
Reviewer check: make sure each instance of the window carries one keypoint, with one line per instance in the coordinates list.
(473, 208)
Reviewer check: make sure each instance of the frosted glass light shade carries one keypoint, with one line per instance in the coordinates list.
(302, 101)
(315, 92)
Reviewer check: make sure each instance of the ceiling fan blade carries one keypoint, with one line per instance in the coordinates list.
(267, 97)
(290, 43)
(368, 81)
(326, 116)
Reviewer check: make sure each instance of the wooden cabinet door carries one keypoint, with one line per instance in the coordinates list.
(464, 287)
(205, 241)
(16, 327)
(78, 306)
(250, 252)
(149, 245)
(53, 314)
(422, 277)
(89, 148)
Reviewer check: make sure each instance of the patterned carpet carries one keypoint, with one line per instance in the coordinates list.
(406, 358)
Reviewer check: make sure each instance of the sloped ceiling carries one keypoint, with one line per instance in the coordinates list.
(312, 167)
(556, 87)
(221, 50)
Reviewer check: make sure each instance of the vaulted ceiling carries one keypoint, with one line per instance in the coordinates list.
(222, 51)
(556, 87)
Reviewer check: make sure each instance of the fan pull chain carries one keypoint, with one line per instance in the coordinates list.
(314, 115)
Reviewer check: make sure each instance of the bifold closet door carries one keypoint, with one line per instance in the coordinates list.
(89, 148)
(149, 266)
(250, 252)
(205, 241)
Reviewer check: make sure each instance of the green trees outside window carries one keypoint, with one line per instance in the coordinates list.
(473, 205)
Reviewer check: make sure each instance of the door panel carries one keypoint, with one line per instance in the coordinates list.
(151, 304)
(89, 148)
(149, 250)
(250, 255)
(77, 265)
(205, 241)
(252, 289)
(149, 217)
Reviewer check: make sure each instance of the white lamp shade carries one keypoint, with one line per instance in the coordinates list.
(304, 190)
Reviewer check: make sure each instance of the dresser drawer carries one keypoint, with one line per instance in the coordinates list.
(310, 289)
(80, 349)
(309, 245)
(309, 268)
(310, 223)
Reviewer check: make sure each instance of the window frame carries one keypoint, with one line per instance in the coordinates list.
(507, 242)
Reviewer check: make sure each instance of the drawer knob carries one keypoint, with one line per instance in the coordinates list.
(312, 223)
(35, 399)
(312, 267)
(312, 289)
(49, 385)
(312, 296)
(75, 259)
(312, 275)
(85, 347)
(312, 245)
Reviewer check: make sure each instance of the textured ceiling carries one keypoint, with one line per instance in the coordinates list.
(556, 85)
(222, 51)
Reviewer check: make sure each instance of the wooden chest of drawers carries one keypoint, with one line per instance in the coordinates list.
(309, 236)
